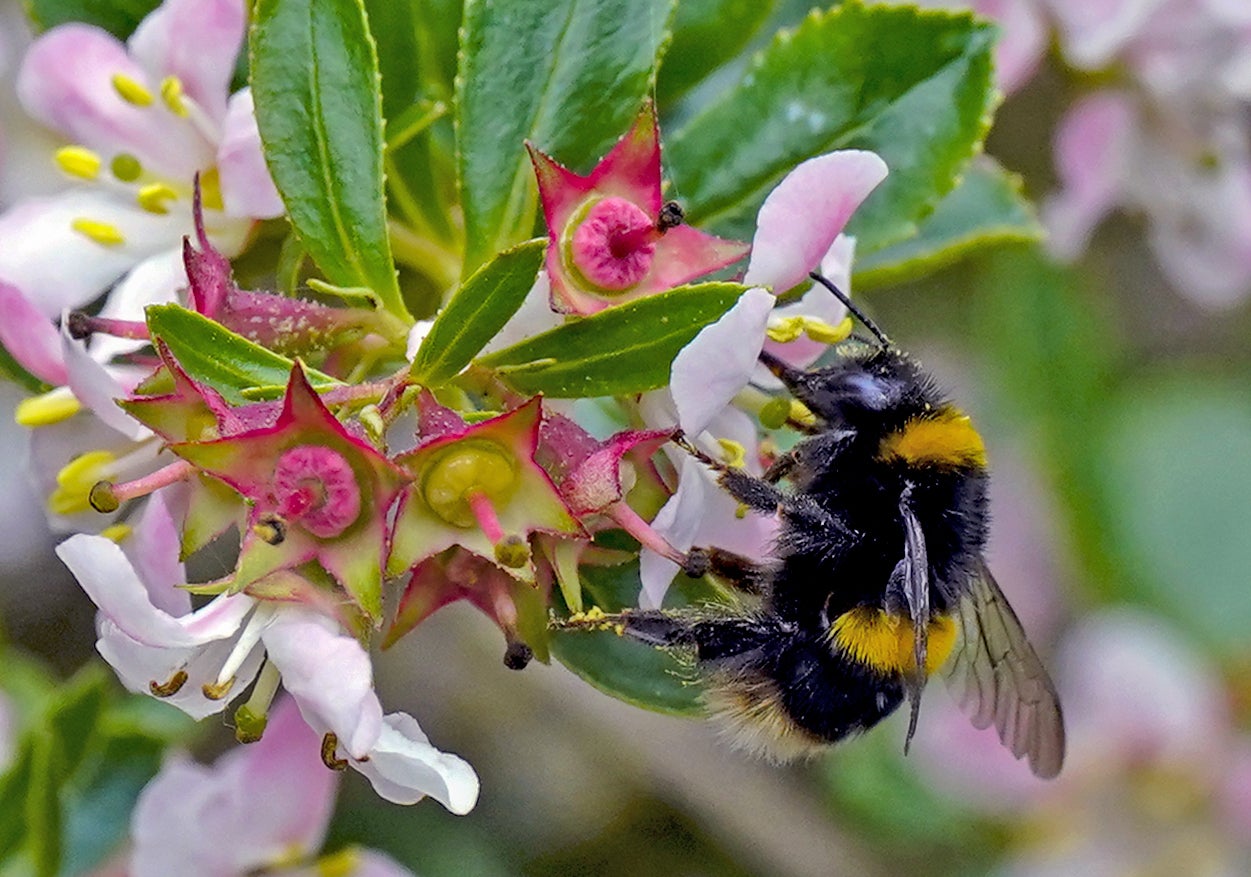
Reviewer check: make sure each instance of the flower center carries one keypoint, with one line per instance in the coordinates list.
(318, 487)
(613, 244)
(464, 484)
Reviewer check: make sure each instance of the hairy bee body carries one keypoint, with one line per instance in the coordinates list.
(876, 580)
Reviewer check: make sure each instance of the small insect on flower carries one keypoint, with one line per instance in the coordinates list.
(877, 579)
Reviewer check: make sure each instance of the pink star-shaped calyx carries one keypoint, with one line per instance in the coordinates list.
(612, 239)
(479, 487)
(316, 491)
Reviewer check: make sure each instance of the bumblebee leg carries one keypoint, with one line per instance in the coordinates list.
(751, 491)
(781, 467)
(742, 573)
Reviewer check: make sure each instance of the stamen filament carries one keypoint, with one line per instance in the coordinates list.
(484, 513)
(163, 477)
(641, 530)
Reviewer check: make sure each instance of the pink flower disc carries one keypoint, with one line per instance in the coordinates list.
(318, 487)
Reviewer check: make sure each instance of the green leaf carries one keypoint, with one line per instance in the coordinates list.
(214, 355)
(655, 679)
(569, 75)
(985, 209)
(621, 350)
(478, 310)
(315, 82)
(42, 812)
(118, 17)
(13, 370)
(1177, 464)
(14, 784)
(913, 86)
(702, 42)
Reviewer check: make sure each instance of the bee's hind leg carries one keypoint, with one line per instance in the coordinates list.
(743, 574)
(753, 492)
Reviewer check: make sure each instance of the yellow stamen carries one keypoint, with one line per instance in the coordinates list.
(217, 690)
(734, 454)
(75, 480)
(126, 167)
(785, 329)
(171, 93)
(340, 864)
(79, 161)
(154, 197)
(52, 407)
(823, 333)
(801, 415)
(102, 233)
(132, 91)
(117, 533)
(211, 189)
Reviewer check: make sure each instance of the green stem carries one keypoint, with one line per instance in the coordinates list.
(424, 256)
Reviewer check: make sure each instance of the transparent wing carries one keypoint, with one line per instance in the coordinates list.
(999, 680)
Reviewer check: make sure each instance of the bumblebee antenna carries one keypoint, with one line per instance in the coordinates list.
(859, 314)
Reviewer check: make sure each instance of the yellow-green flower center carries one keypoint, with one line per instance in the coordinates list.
(464, 471)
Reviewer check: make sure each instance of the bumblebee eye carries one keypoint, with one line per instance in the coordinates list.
(874, 393)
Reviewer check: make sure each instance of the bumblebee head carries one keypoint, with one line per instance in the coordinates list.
(870, 385)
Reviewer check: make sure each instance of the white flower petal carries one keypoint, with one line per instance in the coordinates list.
(153, 548)
(58, 268)
(328, 674)
(678, 521)
(718, 363)
(197, 41)
(247, 188)
(97, 387)
(154, 281)
(111, 582)
(802, 216)
(403, 767)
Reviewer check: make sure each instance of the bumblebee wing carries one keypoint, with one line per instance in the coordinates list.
(999, 679)
(916, 582)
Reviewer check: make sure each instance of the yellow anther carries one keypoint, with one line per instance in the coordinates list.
(131, 90)
(171, 94)
(801, 415)
(126, 167)
(217, 690)
(823, 333)
(733, 453)
(103, 233)
(785, 329)
(52, 407)
(340, 864)
(154, 197)
(117, 533)
(75, 480)
(211, 189)
(79, 161)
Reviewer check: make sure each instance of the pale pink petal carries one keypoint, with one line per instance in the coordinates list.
(717, 364)
(328, 674)
(802, 216)
(1092, 155)
(1134, 690)
(154, 281)
(105, 573)
(138, 666)
(58, 268)
(678, 521)
(197, 41)
(66, 82)
(1023, 41)
(1093, 31)
(179, 824)
(97, 386)
(817, 302)
(403, 767)
(247, 188)
(1235, 12)
(153, 548)
(30, 337)
(1234, 796)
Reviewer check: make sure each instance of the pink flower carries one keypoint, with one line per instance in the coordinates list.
(1023, 36)
(198, 660)
(141, 120)
(265, 807)
(612, 238)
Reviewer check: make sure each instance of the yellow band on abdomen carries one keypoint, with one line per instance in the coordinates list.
(885, 642)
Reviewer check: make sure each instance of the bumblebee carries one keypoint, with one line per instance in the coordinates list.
(876, 581)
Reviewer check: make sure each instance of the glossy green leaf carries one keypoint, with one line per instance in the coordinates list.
(1177, 464)
(214, 355)
(621, 350)
(478, 310)
(702, 42)
(315, 83)
(914, 86)
(118, 17)
(636, 673)
(985, 209)
(568, 75)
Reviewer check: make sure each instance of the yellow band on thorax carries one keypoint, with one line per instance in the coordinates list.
(885, 642)
(945, 439)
